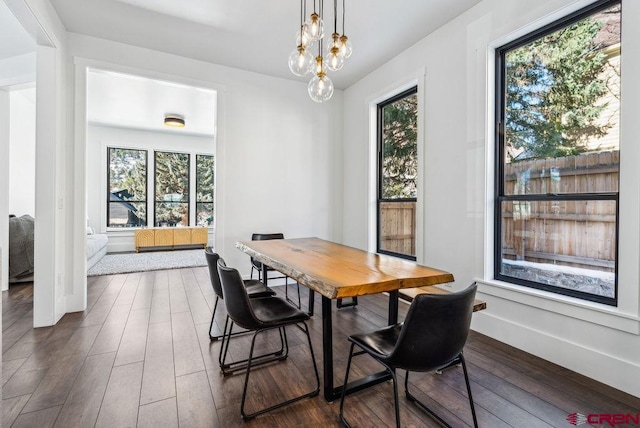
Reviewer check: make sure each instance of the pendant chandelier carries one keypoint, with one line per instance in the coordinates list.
(310, 41)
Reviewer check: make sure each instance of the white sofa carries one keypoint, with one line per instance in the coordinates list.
(96, 248)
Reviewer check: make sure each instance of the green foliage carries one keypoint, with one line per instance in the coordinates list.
(128, 171)
(172, 187)
(399, 148)
(204, 178)
(553, 86)
(204, 189)
(128, 178)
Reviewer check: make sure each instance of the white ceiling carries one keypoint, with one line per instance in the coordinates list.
(14, 40)
(254, 35)
(126, 101)
(258, 35)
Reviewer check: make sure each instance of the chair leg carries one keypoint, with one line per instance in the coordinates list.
(286, 293)
(250, 364)
(394, 379)
(259, 273)
(466, 379)
(421, 405)
(344, 389)
(354, 302)
(213, 316)
(224, 346)
(279, 355)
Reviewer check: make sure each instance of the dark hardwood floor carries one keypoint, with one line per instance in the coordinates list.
(140, 355)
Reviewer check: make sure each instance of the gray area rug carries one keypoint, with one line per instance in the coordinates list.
(112, 264)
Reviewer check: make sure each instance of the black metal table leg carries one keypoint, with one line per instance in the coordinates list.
(393, 307)
(264, 273)
(327, 350)
(332, 393)
(312, 301)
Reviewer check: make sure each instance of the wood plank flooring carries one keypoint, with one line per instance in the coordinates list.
(140, 355)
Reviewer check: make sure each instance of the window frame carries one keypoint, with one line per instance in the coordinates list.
(197, 201)
(413, 90)
(146, 187)
(155, 181)
(499, 181)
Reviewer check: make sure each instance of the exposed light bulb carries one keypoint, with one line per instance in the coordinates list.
(300, 61)
(335, 41)
(335, 60)
(303, 39)
(314, 27)
(345, 46)
(320, 88)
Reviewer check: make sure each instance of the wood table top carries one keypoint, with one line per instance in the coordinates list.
(338, 271)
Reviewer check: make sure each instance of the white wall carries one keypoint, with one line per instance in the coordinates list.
(597, 340)
(100, 137)
(18, 70)
(4, 188)
(22, 168)
(275, 148)
(51, 264)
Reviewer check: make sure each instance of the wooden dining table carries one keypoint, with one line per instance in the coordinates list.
(337, 271)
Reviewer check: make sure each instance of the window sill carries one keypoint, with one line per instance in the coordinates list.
(592, 312)
(131, 230)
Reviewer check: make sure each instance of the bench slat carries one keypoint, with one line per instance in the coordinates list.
(410, 293)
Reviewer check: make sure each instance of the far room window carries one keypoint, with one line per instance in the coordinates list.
(171, 189)
(204, 189)
(127, 195)
(397, 173)
(557, 156)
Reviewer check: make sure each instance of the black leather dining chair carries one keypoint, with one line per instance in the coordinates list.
(431, 338)
(261, 315)
(255, 289)
(256, 265)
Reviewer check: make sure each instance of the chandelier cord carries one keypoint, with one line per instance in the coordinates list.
(301, 20)
(321, 9)
(343, 33)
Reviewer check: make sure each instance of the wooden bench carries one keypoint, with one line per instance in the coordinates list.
(410, 293)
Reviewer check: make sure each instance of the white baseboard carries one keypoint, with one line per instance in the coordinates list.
(608, 369)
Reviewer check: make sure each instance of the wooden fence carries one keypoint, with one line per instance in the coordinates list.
(569, 233)
(398, 227)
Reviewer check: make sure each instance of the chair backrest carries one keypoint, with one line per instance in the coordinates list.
(236, 299)
(212, 263)
(434, 331)
(263, 237)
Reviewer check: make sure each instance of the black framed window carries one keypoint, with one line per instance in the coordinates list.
(557, 156)
(397, 173)
(171, 189)
(127, 192)
(204, 189)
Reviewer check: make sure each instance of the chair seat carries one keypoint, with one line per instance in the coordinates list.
(256, 289)
(380, 342)
(273, 311)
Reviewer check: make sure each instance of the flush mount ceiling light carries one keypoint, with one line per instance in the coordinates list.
(311, 33)
(174, 121)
